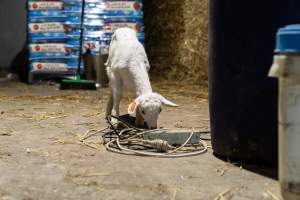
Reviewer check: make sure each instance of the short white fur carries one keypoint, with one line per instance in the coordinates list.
(127, 69)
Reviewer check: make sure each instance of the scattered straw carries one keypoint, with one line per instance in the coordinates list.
(225, 195)
(4, 155)
(76, 179)
(91, 133)
(268, 195)
(29, 97)
(93, 145)
(82, 140)
(5, 132)
(174, 194)
(65, 141)
(39, 116)
(97, 114)
(222, 171)
(95, 174)
(86, 123)
(227, 166)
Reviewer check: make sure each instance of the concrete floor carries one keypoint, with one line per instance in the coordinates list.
(41, 156)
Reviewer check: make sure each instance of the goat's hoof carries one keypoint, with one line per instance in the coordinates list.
(114, 122)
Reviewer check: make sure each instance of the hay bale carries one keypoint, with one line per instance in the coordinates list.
(176, 39)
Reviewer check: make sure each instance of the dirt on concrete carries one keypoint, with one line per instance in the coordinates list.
(41, 156)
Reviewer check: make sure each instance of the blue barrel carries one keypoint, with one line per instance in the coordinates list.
(243, 100)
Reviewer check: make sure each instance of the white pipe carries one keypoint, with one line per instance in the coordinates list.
(287, 69)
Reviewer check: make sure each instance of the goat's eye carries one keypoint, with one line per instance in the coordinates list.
(143, 112)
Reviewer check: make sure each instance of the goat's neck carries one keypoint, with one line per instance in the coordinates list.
(143, 90)
(143, 86)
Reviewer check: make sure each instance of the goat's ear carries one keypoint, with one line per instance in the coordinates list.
(167, 102)
(132, 108)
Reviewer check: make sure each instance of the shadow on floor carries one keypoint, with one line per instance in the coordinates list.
(262, 169)
(270, 172)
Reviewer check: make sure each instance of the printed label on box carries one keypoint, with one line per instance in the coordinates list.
(50, 66)
(46, 27)
(50, 47)
(46, 5)
(125, 6)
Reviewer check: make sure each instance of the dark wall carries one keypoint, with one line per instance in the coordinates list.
(12, 30)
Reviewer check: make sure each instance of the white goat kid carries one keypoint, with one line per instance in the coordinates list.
(127, 68)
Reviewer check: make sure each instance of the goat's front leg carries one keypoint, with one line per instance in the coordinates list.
(117, 96)
(110, 105)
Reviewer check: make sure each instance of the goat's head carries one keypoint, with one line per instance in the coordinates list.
(147, 107)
